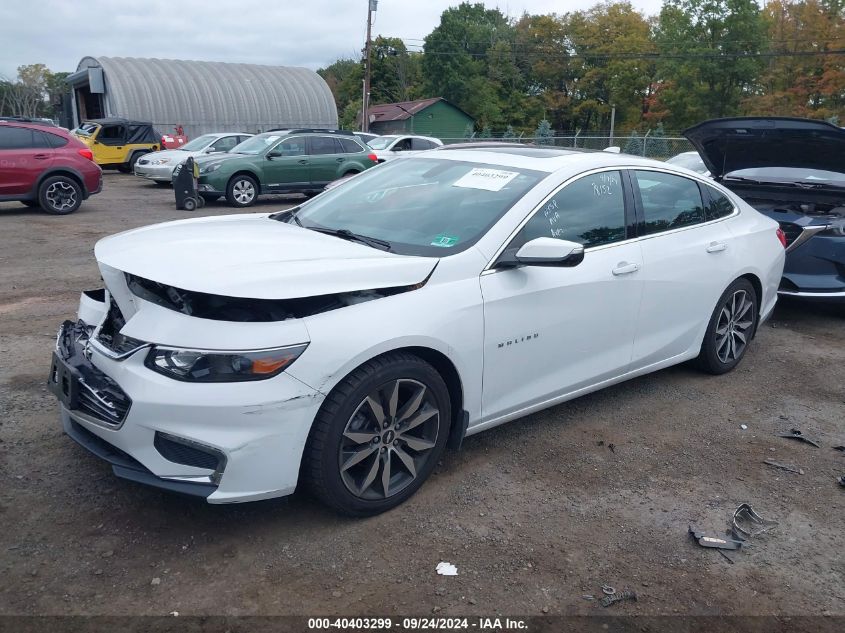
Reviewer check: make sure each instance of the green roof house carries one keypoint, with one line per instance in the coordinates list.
(427, 117)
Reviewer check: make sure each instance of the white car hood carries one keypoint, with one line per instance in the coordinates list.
(253, 256)
(176, 155)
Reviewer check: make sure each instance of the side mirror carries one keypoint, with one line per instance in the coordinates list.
(543, 251)
(273, 154)
(210, 150)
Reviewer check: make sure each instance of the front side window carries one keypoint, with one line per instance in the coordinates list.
(719, 205)
(422, 206)
(198, 144)
(381, 142)
(589, 211)
(669, 201)
(402, 146)
(255, 145)
(323, 145)
(111, 135)
(291, 146)
(224, 144)
(20, 138)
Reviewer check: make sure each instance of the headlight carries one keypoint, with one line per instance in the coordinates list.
(160, 161)
(210, 168)
(202, 366)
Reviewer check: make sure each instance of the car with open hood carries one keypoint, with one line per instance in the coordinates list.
(345, 343)
(282, 161)
(159, 166)
(793, 171)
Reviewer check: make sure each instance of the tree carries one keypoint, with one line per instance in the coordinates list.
(509, 133)
(709, 57)
(634, 144)
(469, 131)
(396, 74)
(606, 78)
(656, 143)
(344, 78)
(457, 61)
(486, 132)
(544, 133)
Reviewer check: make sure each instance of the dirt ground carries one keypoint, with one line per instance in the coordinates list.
(536, 514)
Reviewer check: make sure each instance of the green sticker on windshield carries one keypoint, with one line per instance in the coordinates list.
(444, 241)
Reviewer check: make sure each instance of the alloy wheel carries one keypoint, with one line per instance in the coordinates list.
(61, 195)
(388, 439)
(733, 327)
(243, 191)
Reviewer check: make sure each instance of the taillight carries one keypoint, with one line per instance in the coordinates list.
(86, 153)
(373, 157)
(782, 237)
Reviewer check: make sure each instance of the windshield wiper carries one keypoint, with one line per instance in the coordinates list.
(346, 234)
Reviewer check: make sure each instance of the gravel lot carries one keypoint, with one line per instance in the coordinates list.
(535, 514)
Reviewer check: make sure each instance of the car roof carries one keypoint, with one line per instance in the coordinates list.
(42, 127)
(546, 159)
(116, 121)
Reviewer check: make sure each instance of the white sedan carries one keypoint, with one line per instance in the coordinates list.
(346, 343)
(159, 166)
(395, 145)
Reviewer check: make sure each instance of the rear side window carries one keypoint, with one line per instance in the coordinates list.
(669, 201)
(349, 146)
(111, 135)
(21, 138)
(589, 211)
(324, 145)
(54, 140)
(719, 205)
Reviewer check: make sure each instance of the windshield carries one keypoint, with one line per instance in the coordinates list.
(381, 142)
(198, 143)
(422, 206)
(689, 160)
(256, 144)
(791, 175)
(86, 129)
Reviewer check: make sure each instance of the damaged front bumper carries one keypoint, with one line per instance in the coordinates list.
(231, 442)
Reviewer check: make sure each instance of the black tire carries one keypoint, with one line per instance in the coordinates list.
(346, 411)
(237, 191)
(189, 204)
(208, 197)
(59, 195)
(129, 166)
(163, 183)
(731, 328)
(200, 202)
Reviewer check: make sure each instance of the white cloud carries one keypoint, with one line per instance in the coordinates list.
(59, 33)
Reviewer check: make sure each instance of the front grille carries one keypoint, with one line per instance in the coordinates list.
(183, 453)
(101, 398)
(791, 231)
(110, 336)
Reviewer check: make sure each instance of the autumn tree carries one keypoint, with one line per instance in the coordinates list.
(709, 57)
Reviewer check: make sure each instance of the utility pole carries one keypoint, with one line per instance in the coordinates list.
(372, 5)
(612, 122)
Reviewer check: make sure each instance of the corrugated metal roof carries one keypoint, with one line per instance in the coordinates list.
(401, 110)
(214, 96)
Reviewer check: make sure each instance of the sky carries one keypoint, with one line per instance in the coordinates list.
(310, 33)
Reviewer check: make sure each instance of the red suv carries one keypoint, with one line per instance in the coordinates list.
(46, 167)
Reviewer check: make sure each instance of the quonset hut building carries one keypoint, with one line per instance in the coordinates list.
(200, 96)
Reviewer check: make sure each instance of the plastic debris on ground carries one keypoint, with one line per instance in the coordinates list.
(746, 523)
(714, 541)
(796, 434)
(787, 467)
(618, 597)
(447, 569)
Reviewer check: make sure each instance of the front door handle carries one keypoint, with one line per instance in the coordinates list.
(41, 156)
(304, 161)
(340, 160)
(624, 268)
(716, 247)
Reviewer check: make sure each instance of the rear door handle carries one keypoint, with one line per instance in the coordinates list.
(624, 268)
(41, 156)
(340, 160)
(304, 161)
(716, 247)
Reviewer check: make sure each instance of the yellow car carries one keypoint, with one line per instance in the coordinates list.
(118, 142)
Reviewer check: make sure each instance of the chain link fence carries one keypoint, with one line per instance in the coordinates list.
(658, 147)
